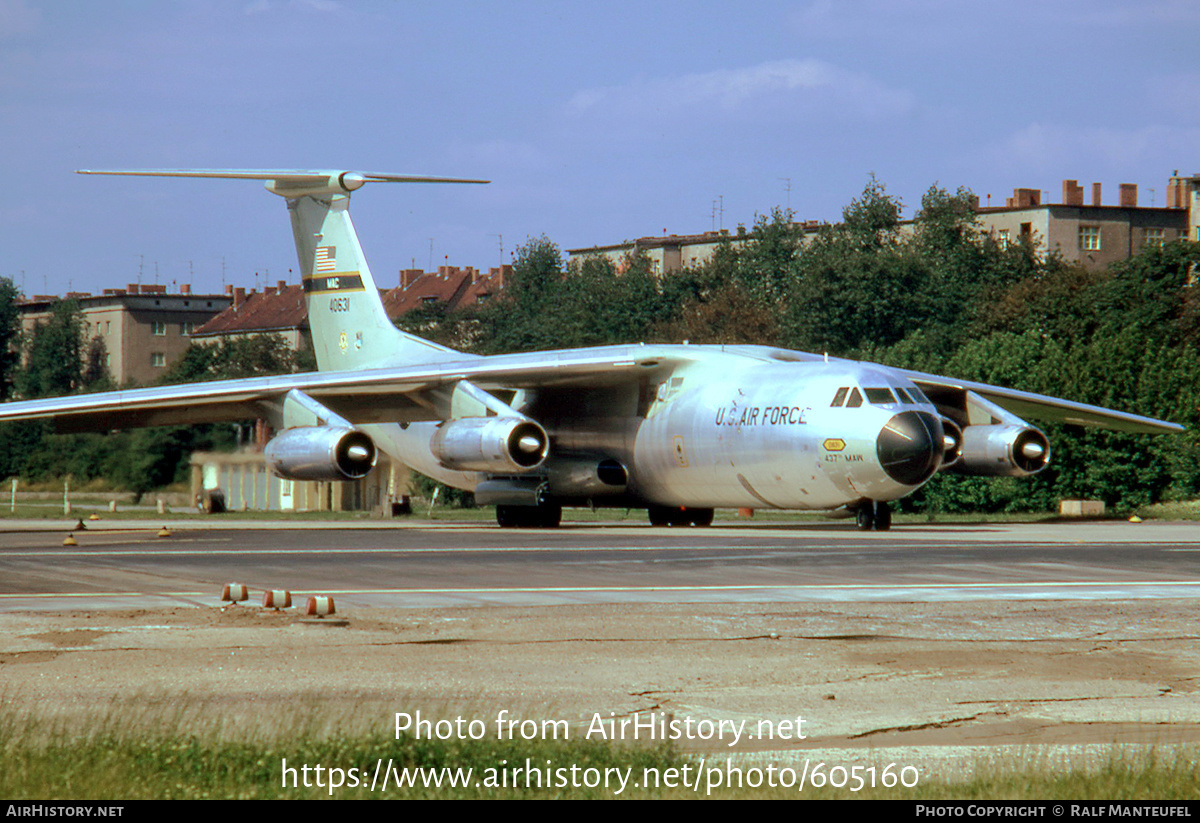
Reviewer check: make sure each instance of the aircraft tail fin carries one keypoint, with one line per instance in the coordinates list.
(350, 327)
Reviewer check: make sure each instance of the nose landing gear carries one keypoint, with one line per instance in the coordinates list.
(873, 515)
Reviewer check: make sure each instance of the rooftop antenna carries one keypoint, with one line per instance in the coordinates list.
(501, 238)
(788, 188)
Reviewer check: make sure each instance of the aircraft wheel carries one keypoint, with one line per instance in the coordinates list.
(506, 517)
(883, 517)
(700, 517)
(865, 517)
(660, 516)
(549, 517)
(528, 517)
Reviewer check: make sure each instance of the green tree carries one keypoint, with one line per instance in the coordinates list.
(257, 355)
(54, 354)
(766, 266)
(10, 337)
(523, 319)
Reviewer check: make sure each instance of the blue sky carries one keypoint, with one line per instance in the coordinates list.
(596, 122)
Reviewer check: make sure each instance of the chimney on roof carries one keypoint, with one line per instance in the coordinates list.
(1025, 198)
(186, 288)
(281, 284)
(1177, 192)
(268, 290)
(1096, 194)
(239, 296)
(133, 288)
(1072, 193)
(1128, 195)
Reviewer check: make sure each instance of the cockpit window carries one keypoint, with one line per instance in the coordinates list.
(855, 399)
(840, 397)
(919, 396)
(904, 396)
(880, 396)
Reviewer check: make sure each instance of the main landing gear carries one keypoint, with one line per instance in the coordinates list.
(873, 514)
(680, 516)
(529, 517)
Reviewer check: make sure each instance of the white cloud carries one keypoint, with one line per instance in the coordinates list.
(792, 83)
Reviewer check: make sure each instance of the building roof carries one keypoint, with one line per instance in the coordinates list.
(133, 296)
(276, 309)
(282, 307)
(673, 240)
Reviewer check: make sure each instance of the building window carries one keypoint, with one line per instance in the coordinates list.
(159, 328)
(1004, 238)
(1155, 237)
(158, 360)
(187, 327)
(1089, 238)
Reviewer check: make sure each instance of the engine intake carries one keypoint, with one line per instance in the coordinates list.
(490, 444)
(1003, 450)
(321, 453)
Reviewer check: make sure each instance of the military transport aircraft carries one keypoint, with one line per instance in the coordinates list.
(676, 429)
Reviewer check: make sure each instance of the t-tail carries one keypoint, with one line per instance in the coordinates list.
(350, 328)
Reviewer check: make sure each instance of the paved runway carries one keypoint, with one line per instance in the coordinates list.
(422, 565)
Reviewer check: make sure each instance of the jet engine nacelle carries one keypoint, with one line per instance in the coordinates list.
(321, 453)
(952, 439)
(490, 444)
(1003, 450)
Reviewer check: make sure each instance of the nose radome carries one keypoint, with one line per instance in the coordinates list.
(910, 447)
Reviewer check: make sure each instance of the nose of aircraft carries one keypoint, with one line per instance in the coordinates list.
(910, 447)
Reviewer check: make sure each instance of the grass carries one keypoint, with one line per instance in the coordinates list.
(186, 749)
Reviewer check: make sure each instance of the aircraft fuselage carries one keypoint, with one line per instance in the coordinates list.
(724, 430)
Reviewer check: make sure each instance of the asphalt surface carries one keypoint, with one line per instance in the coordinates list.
(421, 565)
(926, 646)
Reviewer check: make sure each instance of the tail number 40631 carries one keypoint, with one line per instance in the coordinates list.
(339, 304)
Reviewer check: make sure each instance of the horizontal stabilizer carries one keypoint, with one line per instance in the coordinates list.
(291, 182)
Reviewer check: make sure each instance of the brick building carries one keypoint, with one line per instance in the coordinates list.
(144, 328)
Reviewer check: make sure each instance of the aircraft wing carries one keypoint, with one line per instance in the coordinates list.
(1041, 407)
(402, 394)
